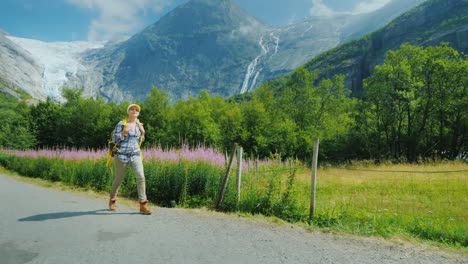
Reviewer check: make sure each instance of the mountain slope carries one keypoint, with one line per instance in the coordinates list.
(200, 45)
(429, 24)
(19, 71)
(368, 22)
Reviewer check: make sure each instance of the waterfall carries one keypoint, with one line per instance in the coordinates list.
(251, 75)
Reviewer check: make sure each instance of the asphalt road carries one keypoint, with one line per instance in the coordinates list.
(40, 225)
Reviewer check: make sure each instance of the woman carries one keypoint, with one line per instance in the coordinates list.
(128, 136)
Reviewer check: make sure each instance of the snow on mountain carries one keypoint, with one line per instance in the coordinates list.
(60, 60)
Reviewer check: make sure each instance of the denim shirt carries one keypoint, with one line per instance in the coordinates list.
(128, 145)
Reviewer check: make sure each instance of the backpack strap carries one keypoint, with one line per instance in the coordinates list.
(115, 148)
(141, 138)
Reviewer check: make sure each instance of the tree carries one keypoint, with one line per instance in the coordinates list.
(17, 130)
(44, 116)
(283, 130)
(310, 108)
(83, 122)
(448, 118)
(256, 128)
(230, 124)
(156, 118)
(193, 123)
(418, 103)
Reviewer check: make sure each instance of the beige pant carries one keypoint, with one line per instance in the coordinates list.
(137, 166)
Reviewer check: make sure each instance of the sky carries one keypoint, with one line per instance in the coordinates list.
(96, 20)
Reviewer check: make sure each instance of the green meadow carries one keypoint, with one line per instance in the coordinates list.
(427, 201)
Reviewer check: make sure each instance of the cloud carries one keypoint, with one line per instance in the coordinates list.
(117, 18)
(364, 6)
(369, 6)
(320, 9)
(292, 19)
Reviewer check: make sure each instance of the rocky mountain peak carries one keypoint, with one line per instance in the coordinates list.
(202, 16)
(212, 2)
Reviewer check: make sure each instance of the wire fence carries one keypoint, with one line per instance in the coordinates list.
(404, 171)
(422, 193)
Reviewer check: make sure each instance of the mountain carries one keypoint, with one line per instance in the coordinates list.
(213, 45)
(368, 22)
(19, 70)
(429, 24)
(59, 62)
(201, 44)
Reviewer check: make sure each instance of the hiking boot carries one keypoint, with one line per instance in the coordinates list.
(112, 204)
(144, 209)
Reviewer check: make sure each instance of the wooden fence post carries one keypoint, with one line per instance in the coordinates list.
(223, 186)
(239, 174)
(314, 177)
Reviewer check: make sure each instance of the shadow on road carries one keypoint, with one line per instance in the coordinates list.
(42, 217)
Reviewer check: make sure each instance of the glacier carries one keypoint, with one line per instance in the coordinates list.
(59, 59)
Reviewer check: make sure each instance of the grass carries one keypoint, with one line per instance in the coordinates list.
(386, 200)
(408, 192)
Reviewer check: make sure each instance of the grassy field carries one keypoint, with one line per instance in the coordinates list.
(427, 201)
(399, 190)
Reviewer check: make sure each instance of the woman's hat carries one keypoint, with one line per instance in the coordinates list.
(132, 105)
